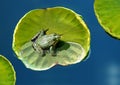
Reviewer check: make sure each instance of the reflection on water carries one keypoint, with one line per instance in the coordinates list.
(113, 74)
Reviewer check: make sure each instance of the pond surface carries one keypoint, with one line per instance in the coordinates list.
(101, 68)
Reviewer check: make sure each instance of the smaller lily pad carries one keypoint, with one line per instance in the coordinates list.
(108, 15)
(7, 73)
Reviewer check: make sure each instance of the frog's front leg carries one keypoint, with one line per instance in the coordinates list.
(52, 51)
(38, 49)
(40, 34)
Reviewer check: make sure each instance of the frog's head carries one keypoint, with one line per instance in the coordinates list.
(55, 37)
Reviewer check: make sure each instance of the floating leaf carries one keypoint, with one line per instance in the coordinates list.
(67, 53)
(108, 15)
(7, 73)
(60, 20)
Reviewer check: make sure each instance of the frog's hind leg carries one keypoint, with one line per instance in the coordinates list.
(45, 31)
(38, 49)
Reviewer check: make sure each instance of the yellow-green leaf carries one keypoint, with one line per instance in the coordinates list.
(58, 20)
(7, 73)
(108, 15)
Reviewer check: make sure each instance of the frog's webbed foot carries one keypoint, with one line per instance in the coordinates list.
(52, 51)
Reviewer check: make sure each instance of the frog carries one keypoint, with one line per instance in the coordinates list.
(43, 42)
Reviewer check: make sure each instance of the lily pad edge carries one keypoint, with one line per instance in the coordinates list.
(12, 68)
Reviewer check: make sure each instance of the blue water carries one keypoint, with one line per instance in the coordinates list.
(102, 67)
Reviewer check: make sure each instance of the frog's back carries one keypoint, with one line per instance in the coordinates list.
(45, 41)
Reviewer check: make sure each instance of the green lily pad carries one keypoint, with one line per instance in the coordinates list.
(67, 53)
(7, 73)
(108, 15)
(72, 48)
